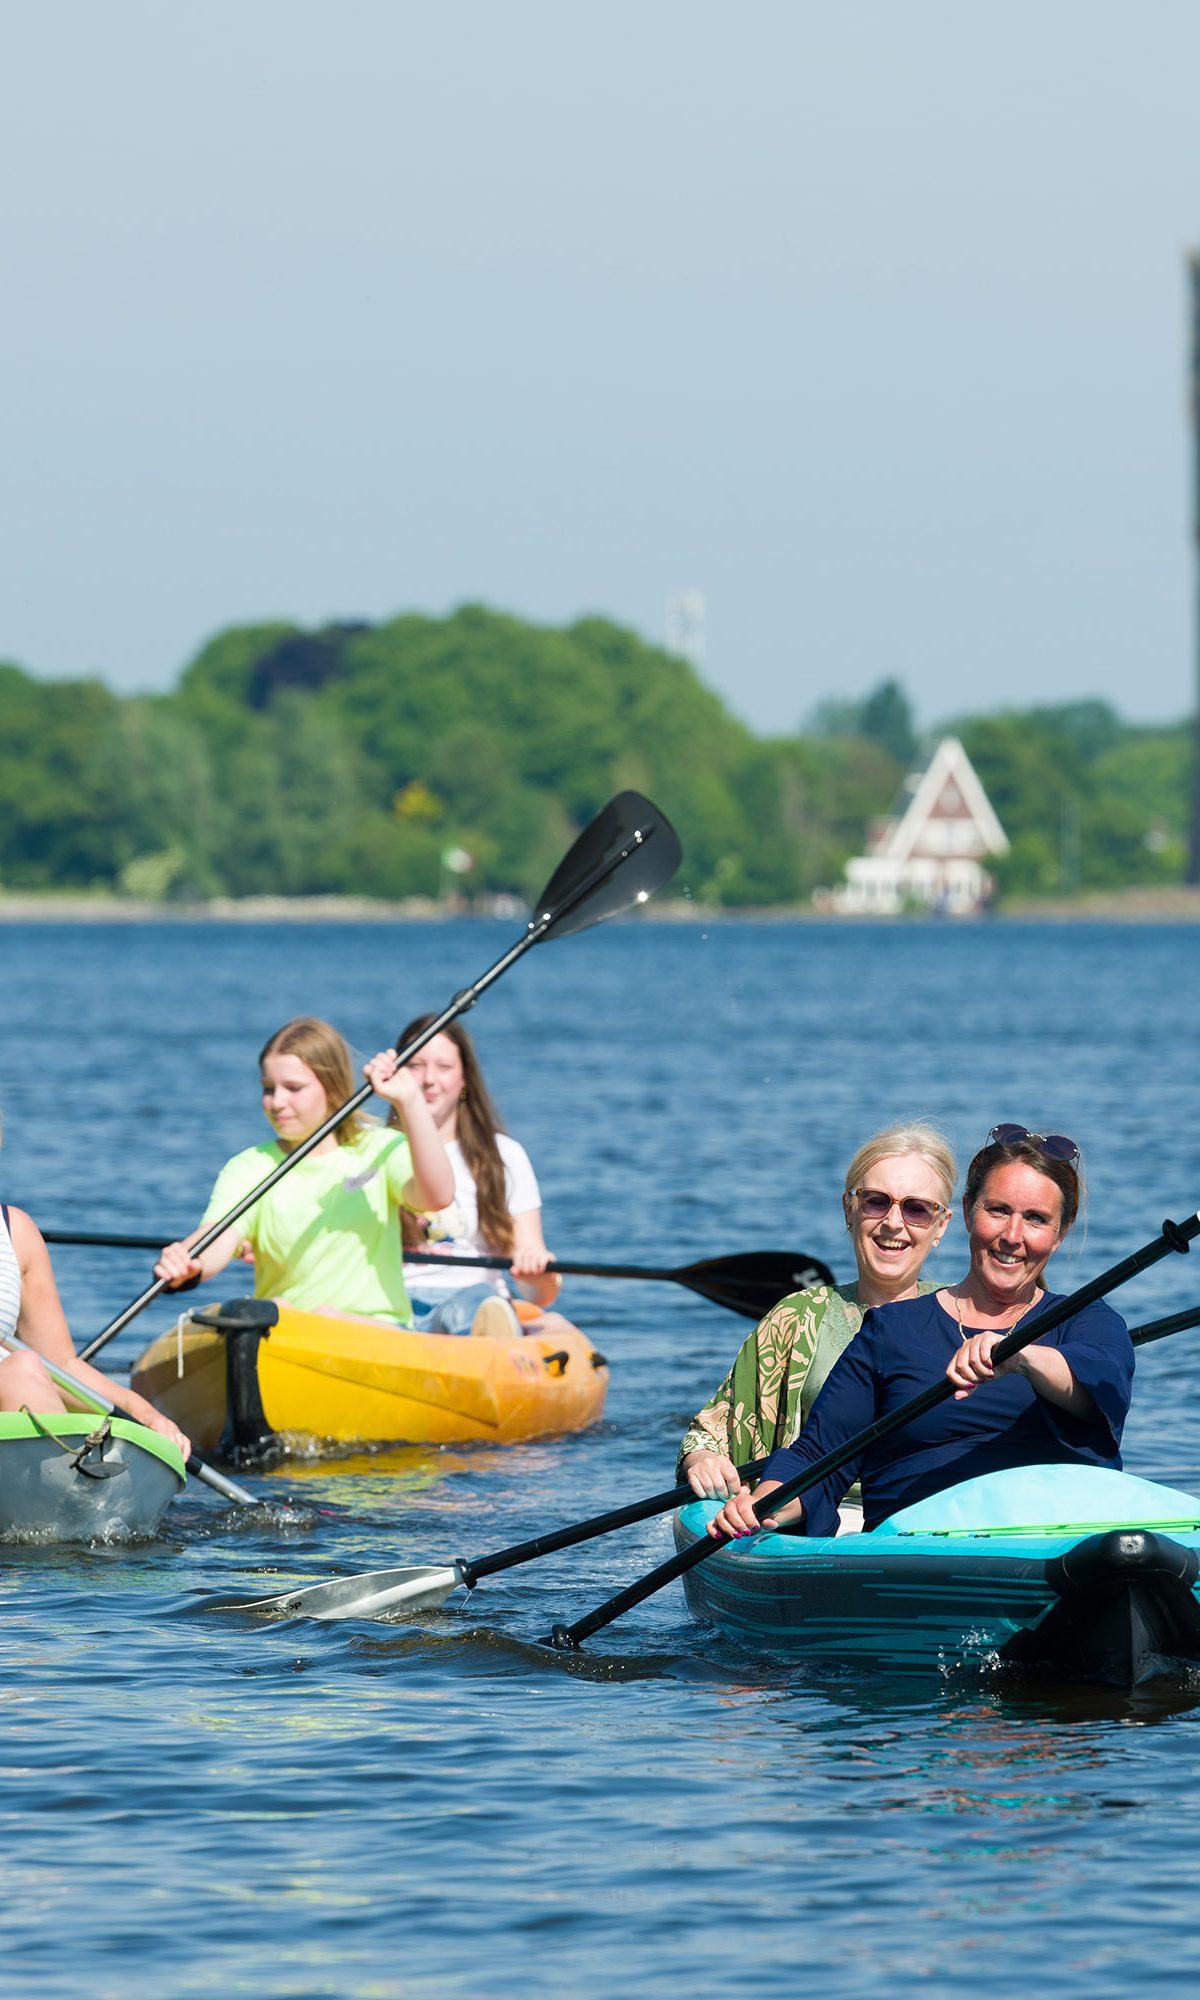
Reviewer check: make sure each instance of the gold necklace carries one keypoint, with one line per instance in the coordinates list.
(962, 1331)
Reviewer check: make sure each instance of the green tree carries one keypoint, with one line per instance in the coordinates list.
(887, 720)
(349, 758)
(67, 804)
(883, 717)
(1087, 802)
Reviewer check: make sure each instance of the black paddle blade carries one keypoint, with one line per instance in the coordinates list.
(629, 850)
(754, 1281)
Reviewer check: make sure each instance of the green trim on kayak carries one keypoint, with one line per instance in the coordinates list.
(1188, 1524)
(79, 1424)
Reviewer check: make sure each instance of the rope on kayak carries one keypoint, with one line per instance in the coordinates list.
(78, 1454)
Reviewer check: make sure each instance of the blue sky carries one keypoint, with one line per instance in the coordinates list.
(870, 322)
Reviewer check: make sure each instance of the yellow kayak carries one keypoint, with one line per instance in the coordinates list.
(256, 1379)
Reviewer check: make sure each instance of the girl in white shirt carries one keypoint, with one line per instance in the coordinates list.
(497, 1208)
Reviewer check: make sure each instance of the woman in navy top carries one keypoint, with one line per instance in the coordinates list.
(1060, 1400)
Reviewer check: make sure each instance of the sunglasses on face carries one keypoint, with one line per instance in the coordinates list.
(1055, 1145)
(874, 1204)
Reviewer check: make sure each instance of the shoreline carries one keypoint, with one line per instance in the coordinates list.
(1176, 904)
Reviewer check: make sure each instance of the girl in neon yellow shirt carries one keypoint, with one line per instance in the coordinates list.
(326, 1235)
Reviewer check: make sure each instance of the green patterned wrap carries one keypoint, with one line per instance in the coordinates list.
(778, 1374)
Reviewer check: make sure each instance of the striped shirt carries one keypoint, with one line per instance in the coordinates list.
(10, 1278)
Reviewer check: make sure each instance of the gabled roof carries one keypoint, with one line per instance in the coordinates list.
(947, 793)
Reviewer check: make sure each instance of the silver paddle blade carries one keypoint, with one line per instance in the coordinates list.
(377, 1593)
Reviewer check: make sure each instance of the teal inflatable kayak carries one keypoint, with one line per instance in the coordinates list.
(1068, 1570)
(71, 1477)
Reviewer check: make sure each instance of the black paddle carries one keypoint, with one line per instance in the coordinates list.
(99, 1240)
(1158, 1329)
(629, 850)
(1172, 1236)
(370, 1593)
(749, 1282)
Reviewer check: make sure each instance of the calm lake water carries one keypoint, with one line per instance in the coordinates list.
(196, 1805)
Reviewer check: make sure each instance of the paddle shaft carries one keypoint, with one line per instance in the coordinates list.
(100, 1241)
(462, 1002)
(749, 1282)
(92, 1400)
(567, 1269)
(1173, 1236)
(584, 1531)
(487, 1263)
(572, 1269)
(1159, 1329)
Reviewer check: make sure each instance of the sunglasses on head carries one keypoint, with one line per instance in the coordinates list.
(874, 1204)
(1055, 1145)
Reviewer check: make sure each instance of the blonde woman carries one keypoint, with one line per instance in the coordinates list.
(326, 1236)
(897, 1204)
(1062, 1400)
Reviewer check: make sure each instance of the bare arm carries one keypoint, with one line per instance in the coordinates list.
(781, 1340)
(530, 1258)
(42, 1325)
(432, 1183)
(704, 1458)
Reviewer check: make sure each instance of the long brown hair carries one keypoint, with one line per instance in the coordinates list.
(323, 1050)
(477, 1124)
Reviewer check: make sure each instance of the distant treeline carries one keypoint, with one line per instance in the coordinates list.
(461, 753)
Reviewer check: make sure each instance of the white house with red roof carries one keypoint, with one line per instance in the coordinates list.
(932, 850)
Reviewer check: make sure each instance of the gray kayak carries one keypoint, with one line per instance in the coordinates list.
(71, 1477)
